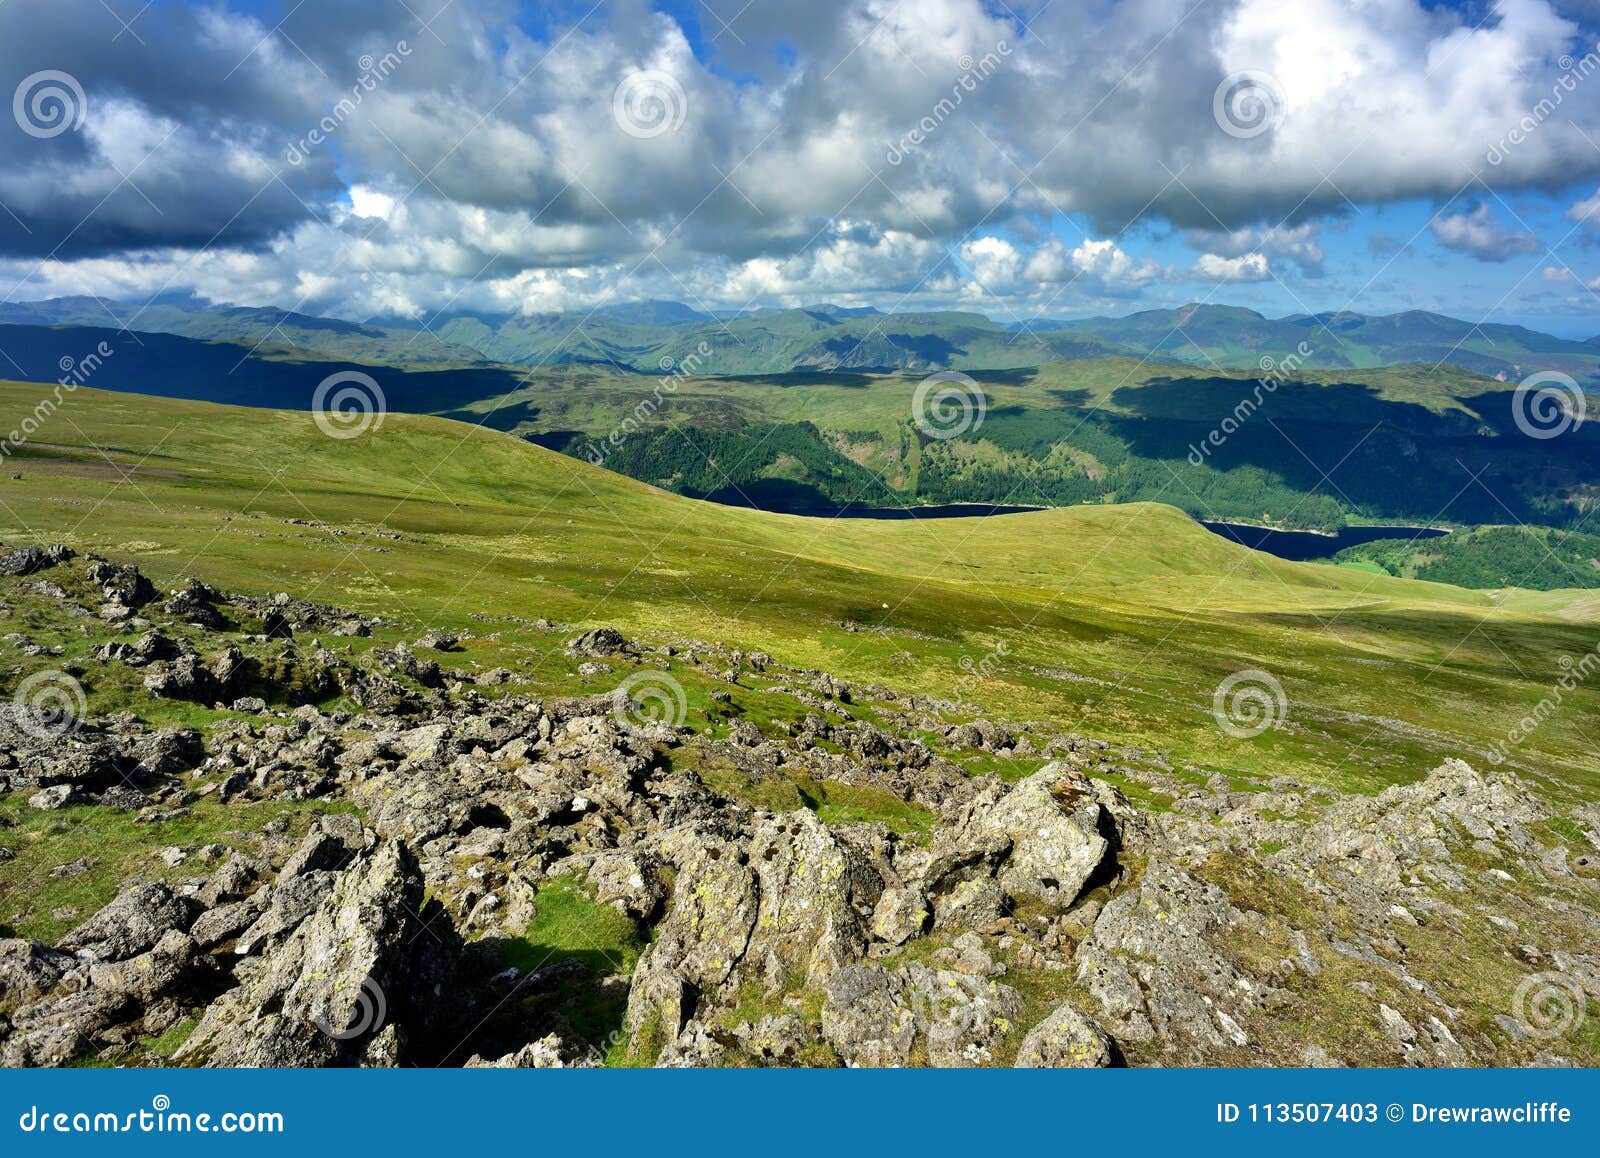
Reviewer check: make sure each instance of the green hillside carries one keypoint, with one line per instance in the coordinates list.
(1313, 449)
(1489, 557)
(1230, 336)
(773, 342)
(1119, 620)
(261, 330)
(1320, 450)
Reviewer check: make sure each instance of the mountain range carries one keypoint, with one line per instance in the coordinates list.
(648, 337)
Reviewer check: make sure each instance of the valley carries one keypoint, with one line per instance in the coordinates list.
(404, 658)
(1302, 450)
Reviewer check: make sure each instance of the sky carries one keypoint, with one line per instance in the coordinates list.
(1059, 159)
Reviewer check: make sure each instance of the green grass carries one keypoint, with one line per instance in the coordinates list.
(116, 847)
(165, 1044)
(569, 925)
(848, 804)
(1118, 621)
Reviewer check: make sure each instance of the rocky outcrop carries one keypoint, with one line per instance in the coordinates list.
(134, 922)
(875, 1017)
(361, 980)
(435, 817)
(1152, 967)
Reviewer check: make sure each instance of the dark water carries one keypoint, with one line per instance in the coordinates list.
(946, 511)
(1303, 545)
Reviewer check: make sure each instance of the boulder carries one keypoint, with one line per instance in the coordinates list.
(121, 583)
(902, 913)
(816, 896)
(195, 603)
(132, 923)
(30, 969)
(1056, 829)
(1067, 1039)
(1154, 973)
(173, 967)
(874, 1017)
(56, 796)
(597, 644)
(963, 1017)
(867, 1017)
(362, 979)
(27, 560)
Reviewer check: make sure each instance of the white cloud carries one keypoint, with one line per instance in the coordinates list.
(1587, 210)
(1299, 244)
(489, 165)
(1477, 234)
(1244, 268)
(1105, 262)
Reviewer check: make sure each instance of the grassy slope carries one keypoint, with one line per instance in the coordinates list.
(1117, 620)
(883, 402)
(1400, 444)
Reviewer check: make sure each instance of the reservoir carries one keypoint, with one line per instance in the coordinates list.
(1304, 545)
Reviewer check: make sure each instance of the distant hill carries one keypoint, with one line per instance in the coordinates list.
(1235, 337)
(172, 366)
(263, 328)
(774, 342)
(1327, 447)
(654, 313)
(654, 336)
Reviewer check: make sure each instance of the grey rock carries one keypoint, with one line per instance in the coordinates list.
(173, 967)
(359, 981)
(1067, 1039)
(1156, 976)
(599, 643)
(867, 1017)
(56, 796)
(29, 969)
(902, 913)
(132, 923)
(224, 923)
(964, 1017)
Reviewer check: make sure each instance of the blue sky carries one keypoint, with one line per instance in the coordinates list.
(380, 159)
(1385, 258)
